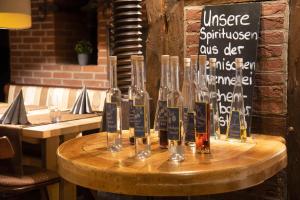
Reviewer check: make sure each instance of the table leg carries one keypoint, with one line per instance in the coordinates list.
(51, 145)
(67, 189)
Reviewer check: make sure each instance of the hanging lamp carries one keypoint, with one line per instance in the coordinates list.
(15, 14)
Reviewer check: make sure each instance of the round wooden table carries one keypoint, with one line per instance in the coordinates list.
(85, 161)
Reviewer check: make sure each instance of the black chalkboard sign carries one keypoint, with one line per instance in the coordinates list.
(228, 32)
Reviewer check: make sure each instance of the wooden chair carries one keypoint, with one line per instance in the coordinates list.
(16, 179)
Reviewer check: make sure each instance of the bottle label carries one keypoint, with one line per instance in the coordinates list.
(234, 125)
(173, 124)
(111, 117)
(162, 115)
(190, 133)
(185, 118)
(131, 114)
(201, 117)
(139, 121)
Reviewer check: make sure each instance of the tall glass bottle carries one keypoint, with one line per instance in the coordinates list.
(142, 114)
(237, 126)
(202, 109)
(188, 105)
(113, 109)
(175, 115)
(213, 100)
(194, 76)
(161, 114)
(131, 93)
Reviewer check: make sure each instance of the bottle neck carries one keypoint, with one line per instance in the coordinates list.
(174, 77)
(140, 75)
(212, 75)
(202, 75)
(113, 74)
(238, 76)
(164, 75)
(187, 73)
(133, 73)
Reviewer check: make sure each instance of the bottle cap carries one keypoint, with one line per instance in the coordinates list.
(202, 59)
(113, 59)
(212, 60)
(238, 62)
(174, 59)
(140, 58)
(187, 62)
(165, 59)
(133, 57)
(194, 58)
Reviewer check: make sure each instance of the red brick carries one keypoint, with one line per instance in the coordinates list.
(38, 33)
(24, 46)
(51, 81)
(270, 51)
(272, 23)
(31, 40)
(93, 68)
(192, 39)
(25, 60)
(272, 106)
(272, 79)
(62, 75)
(101, 77)
(268, 92)
(32, 67)
(31, 53)
(48, 39)
(48, 53)
(272, 37)
(192, 51)
(273, 9)
(71, 68)
(14, 73)
(74, 83)
(38, 46)
(15, 40)
(52, 67)
(42, 74)
(26, 73)
(32, 81)
(38, 60)
(47, 25)
(193, 14)
(270, 65)
(193, 27)
(82, 75)
(95, 84)
(15, 53)
(17, 80)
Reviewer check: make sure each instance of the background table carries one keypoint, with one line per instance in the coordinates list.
(231, 166)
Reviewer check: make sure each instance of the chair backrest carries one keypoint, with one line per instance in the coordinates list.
(7, 150)
(13, 165)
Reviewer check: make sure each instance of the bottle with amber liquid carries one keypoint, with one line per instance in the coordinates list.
(113, 109)
(175, 114)
(131, 92)
(141, 114)
(188, 105)
(213, 100)
(161, 114)
(237, 126)
(202, 109)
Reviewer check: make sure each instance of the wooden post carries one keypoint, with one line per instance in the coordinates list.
(165, 36)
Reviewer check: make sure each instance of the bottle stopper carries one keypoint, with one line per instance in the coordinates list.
(187, 62)
(165, 59)
(174, 59)
(238, 62)
(113, 59)
(202, 59)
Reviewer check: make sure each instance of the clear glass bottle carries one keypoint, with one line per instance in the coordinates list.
(113, 109)
(188, 105)
(175, 115)
(131, 93)
(213, 99)
(202, 109)
(161, 114)
(194, 76)
(142, 114)
(237, 125)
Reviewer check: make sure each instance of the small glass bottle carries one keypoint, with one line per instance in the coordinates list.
(142, 114)
(113, 109)
(202, 109)
(213, 100)
(175, 115)
(131, 93)
(188, 105)
(237, 126)
(161, 114)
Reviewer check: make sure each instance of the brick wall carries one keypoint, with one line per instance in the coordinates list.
(270, 92)
(35, 58)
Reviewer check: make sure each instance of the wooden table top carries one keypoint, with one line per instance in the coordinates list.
(44, 131)
(231, 166)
